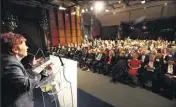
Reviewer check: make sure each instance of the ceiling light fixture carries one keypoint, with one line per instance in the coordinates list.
(73, 13)
(119, 1)
(107, 10)
(82, 11)
(99, 5)
(86, 10)
(62, 8)
(91, 8)
(114, 12)
(143, 2)
(165, 4)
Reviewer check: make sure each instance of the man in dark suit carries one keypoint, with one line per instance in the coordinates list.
(17, 86)
(170, 77)
(144, 58)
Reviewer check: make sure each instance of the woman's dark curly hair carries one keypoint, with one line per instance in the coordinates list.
(9, 41)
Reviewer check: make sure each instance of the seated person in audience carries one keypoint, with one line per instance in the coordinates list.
(165, 54)
(143, 57)
(119, 67)
(101, 62)
(149, 70)
(58, 49)
(98, 56)
(77, 54)
(158, 64)
(134, 64)
(63, 51)
(170, 77)
(83, 58)
(90, 58)
(49, 50)
(109, 62)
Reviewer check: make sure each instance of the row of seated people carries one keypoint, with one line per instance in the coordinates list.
(139, 68)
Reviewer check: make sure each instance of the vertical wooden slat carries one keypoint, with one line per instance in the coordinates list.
(63, 13)
(70, 11)
(61, 28)
(53, 28)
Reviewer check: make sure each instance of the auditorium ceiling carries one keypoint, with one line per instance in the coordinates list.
(116, 11)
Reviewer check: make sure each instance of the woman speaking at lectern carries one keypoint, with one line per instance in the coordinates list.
(16, 84)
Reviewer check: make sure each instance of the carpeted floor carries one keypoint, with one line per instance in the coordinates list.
(88, 100)
(118, 95)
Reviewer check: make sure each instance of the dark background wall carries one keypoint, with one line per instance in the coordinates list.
(164, 28)
(28, 24)
(95, 25)
(109, 32)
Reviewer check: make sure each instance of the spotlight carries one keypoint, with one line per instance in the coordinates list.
(165, 4)
(99, 5)
(143, 2)
(82, 11)
(119, 1)
(73, 13)
(91, 8)
(131, 27)
(62, 8)
(107, 10)
(144, 27)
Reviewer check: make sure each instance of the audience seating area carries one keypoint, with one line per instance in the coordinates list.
(144, 63)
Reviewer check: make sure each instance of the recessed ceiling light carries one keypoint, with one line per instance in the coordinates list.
(98, 6)
(119, 1)
(62, 8)
(165, 4)
(91, 8)
(142, 2)
(82, 11)
(73, 13)
(107, 10)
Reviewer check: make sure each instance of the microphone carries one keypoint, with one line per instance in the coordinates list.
(54, 53)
